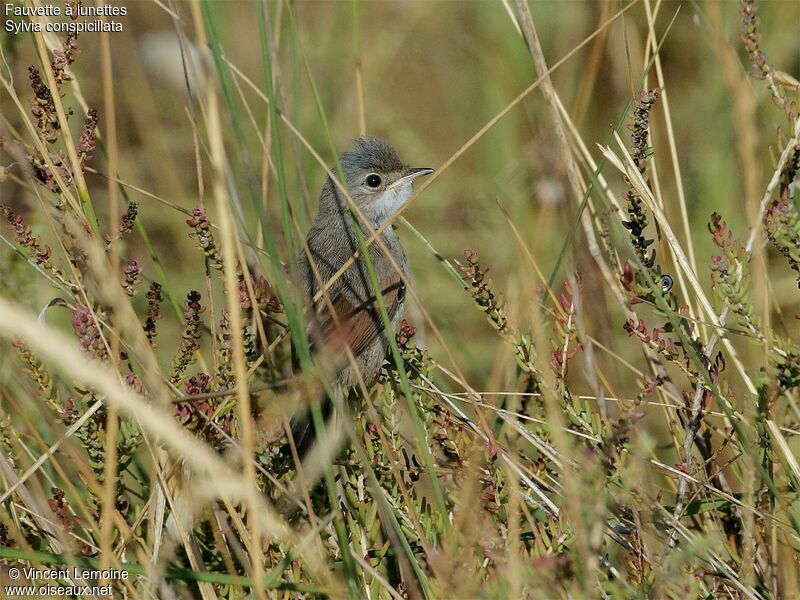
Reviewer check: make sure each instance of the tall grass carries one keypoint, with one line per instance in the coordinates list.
(594, 392)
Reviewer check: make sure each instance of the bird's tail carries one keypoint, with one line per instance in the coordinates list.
(313, 450)
(304, 433)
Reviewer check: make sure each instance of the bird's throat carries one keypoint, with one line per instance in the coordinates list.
(389, 202)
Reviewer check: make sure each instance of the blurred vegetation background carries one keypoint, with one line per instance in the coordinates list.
(434, 73)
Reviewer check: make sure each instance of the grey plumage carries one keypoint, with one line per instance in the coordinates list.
(370, 154)
(332, 242)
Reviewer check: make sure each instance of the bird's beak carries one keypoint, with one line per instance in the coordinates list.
(412, 173)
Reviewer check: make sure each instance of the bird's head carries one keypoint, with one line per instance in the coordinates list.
(377, 180)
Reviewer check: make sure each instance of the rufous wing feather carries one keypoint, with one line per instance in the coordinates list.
(357, 325)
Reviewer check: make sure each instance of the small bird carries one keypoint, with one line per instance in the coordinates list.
(379, 184)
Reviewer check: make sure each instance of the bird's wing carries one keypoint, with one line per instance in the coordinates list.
(359, 323)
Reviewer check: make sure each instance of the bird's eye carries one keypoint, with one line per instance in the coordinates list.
(373, 180)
